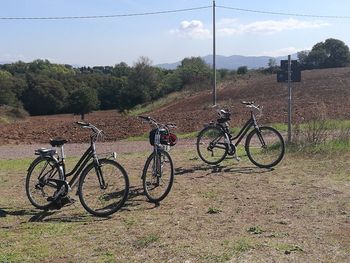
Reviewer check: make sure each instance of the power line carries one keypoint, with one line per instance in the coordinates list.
(282, 13)
(105, 16)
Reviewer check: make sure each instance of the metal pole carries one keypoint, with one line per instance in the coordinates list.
(214, 57)
(289, 99)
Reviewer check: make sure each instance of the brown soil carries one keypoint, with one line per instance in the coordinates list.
(328, 89)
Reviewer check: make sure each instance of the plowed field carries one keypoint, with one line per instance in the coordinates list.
(327, 89)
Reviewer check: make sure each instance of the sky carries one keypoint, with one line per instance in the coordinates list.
(164, 38)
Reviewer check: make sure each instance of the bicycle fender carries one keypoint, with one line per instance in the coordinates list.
(39, 158)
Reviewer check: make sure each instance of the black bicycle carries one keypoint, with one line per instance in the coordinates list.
(158, 172)
(264, 145)
(103, 183)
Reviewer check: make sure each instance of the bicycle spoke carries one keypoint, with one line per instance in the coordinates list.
(103, 190)
(158, 176)
(265, 148)
(211, 145)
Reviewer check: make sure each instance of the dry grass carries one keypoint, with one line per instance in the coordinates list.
(299, 212)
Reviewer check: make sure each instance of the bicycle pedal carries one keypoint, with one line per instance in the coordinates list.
(237, 158)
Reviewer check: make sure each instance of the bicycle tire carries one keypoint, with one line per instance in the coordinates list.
(151, 179)
(96, 200)
(265, 156)
(207, 136)
(41, 192)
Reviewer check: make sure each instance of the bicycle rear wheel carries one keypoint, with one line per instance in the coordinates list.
(265, 147)
(103, 189)
(211, 145)
(40, 191)
(158, 176)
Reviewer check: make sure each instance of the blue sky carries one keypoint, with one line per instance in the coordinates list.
(165, 37)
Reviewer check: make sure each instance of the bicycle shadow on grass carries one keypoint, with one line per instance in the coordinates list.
(7, 211)
(217, 169)
(83, 218)
(44, 215)
(34, 215)
(136, 198)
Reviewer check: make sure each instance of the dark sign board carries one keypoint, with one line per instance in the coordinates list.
(282, 75)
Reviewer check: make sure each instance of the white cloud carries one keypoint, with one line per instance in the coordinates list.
(192, 29)
(227, 27)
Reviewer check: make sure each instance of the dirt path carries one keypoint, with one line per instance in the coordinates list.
(77, 149)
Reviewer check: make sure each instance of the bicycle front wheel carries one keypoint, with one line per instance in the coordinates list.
(104, 188)
(158, 176)
(211, 145)
(39, 189)
(265, 147)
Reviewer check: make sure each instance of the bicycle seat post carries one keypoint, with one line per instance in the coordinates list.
(62, 153)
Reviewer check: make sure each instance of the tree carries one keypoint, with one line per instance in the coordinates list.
(170, 82)
(272, 65)
(7, 96)
(194, 70)
(43, 95)
(110, 92)
(329, 54)
(121, 70)
(83, 101)
(142, 85)
(242, 70)
(303, 59)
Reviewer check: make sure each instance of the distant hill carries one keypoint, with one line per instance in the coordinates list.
(5, 62)
(232, 62)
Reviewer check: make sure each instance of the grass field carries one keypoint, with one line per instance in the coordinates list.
(234, 212)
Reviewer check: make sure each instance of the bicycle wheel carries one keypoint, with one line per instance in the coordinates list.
(211, 146)
(158, 176)
(39, 190)
(265, 147)
(103, 189)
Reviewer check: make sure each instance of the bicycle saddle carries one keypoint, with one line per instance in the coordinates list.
(57, 142)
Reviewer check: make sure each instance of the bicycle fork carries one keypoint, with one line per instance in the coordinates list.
(99, 174)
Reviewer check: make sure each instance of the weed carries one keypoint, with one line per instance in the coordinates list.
(213, 210)
(224, 257)
(321, 136)
(129, 223)
(208, 194)
(147, 240)
(108, 257)
(242, 245)
(287, 248)
(255, 230)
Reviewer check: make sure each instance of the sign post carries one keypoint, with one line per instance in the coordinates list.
(290, 72)
(214, 57)
(289, 99)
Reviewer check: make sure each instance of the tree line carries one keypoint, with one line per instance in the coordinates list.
(41, 87)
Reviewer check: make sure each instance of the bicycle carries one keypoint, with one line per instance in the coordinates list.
(264, 145)
(103, 184)
(158, 172)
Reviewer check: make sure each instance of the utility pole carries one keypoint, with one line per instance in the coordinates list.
(214, 57)
(289, 99)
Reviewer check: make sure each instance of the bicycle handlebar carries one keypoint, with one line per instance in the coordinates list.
(90, 126)
(153, 121)
(250, 104)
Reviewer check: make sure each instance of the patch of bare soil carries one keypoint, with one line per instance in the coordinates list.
(328, 87)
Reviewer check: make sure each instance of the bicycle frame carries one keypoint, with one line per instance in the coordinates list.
(89, 154)
(241, 134)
